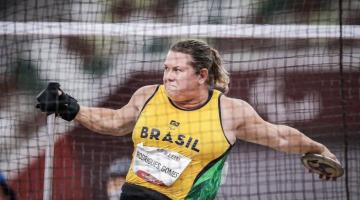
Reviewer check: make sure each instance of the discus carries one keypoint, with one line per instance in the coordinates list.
(322, 165)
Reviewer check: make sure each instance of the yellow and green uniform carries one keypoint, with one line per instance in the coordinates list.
(196, 134)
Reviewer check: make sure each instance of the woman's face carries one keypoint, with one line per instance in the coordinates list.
(180, 79)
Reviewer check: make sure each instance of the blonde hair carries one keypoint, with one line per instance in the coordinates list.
(207, 57)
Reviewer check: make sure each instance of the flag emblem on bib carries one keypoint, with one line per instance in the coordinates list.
(173, 124)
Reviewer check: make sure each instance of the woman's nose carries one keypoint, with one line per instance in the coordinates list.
(169, 75)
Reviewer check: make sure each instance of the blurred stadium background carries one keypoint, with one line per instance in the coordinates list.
(308, 78)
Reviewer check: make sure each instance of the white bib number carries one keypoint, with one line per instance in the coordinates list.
(158, 166)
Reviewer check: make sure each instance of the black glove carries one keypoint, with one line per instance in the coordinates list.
(54, 100)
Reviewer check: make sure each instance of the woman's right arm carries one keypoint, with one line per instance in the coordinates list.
(115, 122)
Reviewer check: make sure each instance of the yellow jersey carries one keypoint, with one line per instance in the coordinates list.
(179, 153)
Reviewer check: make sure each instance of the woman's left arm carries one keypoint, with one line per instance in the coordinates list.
(279, 137)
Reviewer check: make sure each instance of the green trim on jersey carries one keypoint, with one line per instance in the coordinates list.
(208, 184)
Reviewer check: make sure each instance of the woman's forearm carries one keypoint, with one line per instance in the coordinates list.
(102, 120)
(293, 141)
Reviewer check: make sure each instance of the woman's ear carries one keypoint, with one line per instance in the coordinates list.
(203, 75)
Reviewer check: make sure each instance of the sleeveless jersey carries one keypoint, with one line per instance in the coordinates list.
(192, 145)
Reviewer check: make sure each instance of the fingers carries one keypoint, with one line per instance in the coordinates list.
(328, 154)
(324, 177)
(336, 160)
(327, 178)
(55, 85)
(60, 91)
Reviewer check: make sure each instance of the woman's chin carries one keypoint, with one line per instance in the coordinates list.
(172, 94)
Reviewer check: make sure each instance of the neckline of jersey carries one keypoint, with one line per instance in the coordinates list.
(211, 92)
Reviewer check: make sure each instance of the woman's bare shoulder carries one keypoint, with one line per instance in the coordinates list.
(146, 90)
(236, 110)
(142, 94)
(233, 103)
